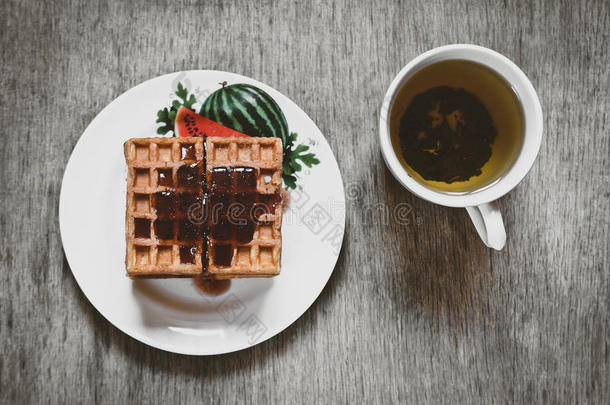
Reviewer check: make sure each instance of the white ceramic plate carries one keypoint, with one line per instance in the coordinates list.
(172, 314)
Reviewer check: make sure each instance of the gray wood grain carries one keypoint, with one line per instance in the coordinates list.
(417, 313)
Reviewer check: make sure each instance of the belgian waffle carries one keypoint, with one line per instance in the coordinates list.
(163, 192)
(240, 170)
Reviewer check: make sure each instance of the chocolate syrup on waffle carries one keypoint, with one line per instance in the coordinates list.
(165, 178)
(188, 176)
(223, 255)
(188, 152)
(164, 229)
(188, 253)
(179, 208)
(231, 203)
(142, 228)
(165, 203)
(234, 208)
(268, 202)
(205, 230)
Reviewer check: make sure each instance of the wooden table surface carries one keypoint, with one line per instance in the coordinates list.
(416, 313)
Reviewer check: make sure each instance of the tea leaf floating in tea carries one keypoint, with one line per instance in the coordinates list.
(446, 134)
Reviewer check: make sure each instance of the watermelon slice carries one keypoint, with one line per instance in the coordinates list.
(189, 123)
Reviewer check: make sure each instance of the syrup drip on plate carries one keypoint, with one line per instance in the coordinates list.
(211, 287)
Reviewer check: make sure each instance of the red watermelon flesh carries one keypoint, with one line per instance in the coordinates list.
(189, 123)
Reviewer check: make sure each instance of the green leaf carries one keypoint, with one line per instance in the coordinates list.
(161, 115)
(181, 92)
(290, 181)
(191, 100)
(300, 148)
(309, 159)
(167, 116)
(292, 156)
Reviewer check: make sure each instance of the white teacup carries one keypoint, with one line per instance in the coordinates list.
(481, 204)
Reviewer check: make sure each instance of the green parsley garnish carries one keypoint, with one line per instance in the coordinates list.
(167, 116)
(291, 158)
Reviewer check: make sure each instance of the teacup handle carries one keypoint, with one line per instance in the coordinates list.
(487, 219)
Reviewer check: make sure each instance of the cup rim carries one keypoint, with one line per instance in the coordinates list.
(533, 126)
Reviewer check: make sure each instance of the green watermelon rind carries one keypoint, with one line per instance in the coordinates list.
(247, 109)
